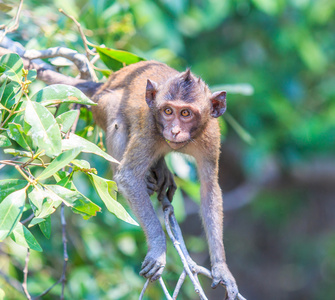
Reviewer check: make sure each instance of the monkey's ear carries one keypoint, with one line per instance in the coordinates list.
(150, 93)
(218, 101)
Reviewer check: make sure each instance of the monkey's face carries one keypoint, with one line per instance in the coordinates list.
(177, 122)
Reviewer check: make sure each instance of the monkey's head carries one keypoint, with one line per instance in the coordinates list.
(182, 107)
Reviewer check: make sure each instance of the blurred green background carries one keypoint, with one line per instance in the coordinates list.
(277, 167)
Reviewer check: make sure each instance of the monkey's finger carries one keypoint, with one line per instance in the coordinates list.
(158, 273)
(151, 188)
(151, 179)
(164, 187)
(146, 267)
(160, 175)
(215, 283)
(172, 189)
(154, 270)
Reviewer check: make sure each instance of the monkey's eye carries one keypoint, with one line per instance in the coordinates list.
(185, 113)
(168, 111)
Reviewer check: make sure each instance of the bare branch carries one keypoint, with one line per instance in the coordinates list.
(179, 284)
(190, 267)
(83, 37)
(47, 75)
(28, 219)
(80, 60)
(144, 289)
(12, 282)
(25, 275)
(66, 257)
(6, 29)
(166, 292)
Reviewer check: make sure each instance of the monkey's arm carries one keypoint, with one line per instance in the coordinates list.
(212, 215)
(160, 180)
(132, 182)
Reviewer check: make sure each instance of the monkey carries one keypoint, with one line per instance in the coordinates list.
(147, 110)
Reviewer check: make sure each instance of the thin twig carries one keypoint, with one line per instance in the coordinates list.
(47, 290)
(25, 275)
(168, 211)
(75, 123)
(83, 37)
(28, 219)
(80, 60)
(7, 29)
(190, 267)
(85, 42)
(166, 292)
(144, 289)
(12, 282)
(179, 284)
(66, 257)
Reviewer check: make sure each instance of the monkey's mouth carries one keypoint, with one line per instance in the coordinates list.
(176, 145)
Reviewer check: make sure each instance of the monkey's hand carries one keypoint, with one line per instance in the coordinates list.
(221, 275)
(154, 263)
(160, 180)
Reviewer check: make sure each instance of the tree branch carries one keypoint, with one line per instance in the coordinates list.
(44, 71)
(190, 267)
(25, 275)
(6, 29)
(80, 60)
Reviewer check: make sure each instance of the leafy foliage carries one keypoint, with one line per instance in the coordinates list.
(27, 123)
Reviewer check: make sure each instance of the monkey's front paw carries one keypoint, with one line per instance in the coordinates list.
(153, 266)
(159, 179)
(221, 275)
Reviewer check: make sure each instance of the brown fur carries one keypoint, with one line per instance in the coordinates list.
(131, 109)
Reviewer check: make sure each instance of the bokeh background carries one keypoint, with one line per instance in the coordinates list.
(277, 168)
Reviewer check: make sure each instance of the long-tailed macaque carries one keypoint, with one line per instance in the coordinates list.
(147, 110)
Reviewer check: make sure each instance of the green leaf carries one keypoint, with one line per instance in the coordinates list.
(15, 152)
(105, 72)
(2, 88)
(22, 236)
(11, 209)
(190, 188)
(81, 163)
(8, 186)
(74, 140)
(245, 89)
(19, 119)
(59, 162)
(61, 93)
(10, 94)
(43, 201)
(4, 141)
(2, 292)
(32, 74)
(46, 227)
(16, 133)
(111, 63)
(13, 66)
(77, 201)
(244, 135)
(114, 59)
(44, 128)
(35, 221)
(107, 192)
(4, 7)
(66, 120)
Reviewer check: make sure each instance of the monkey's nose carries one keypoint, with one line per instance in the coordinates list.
(175, 132)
